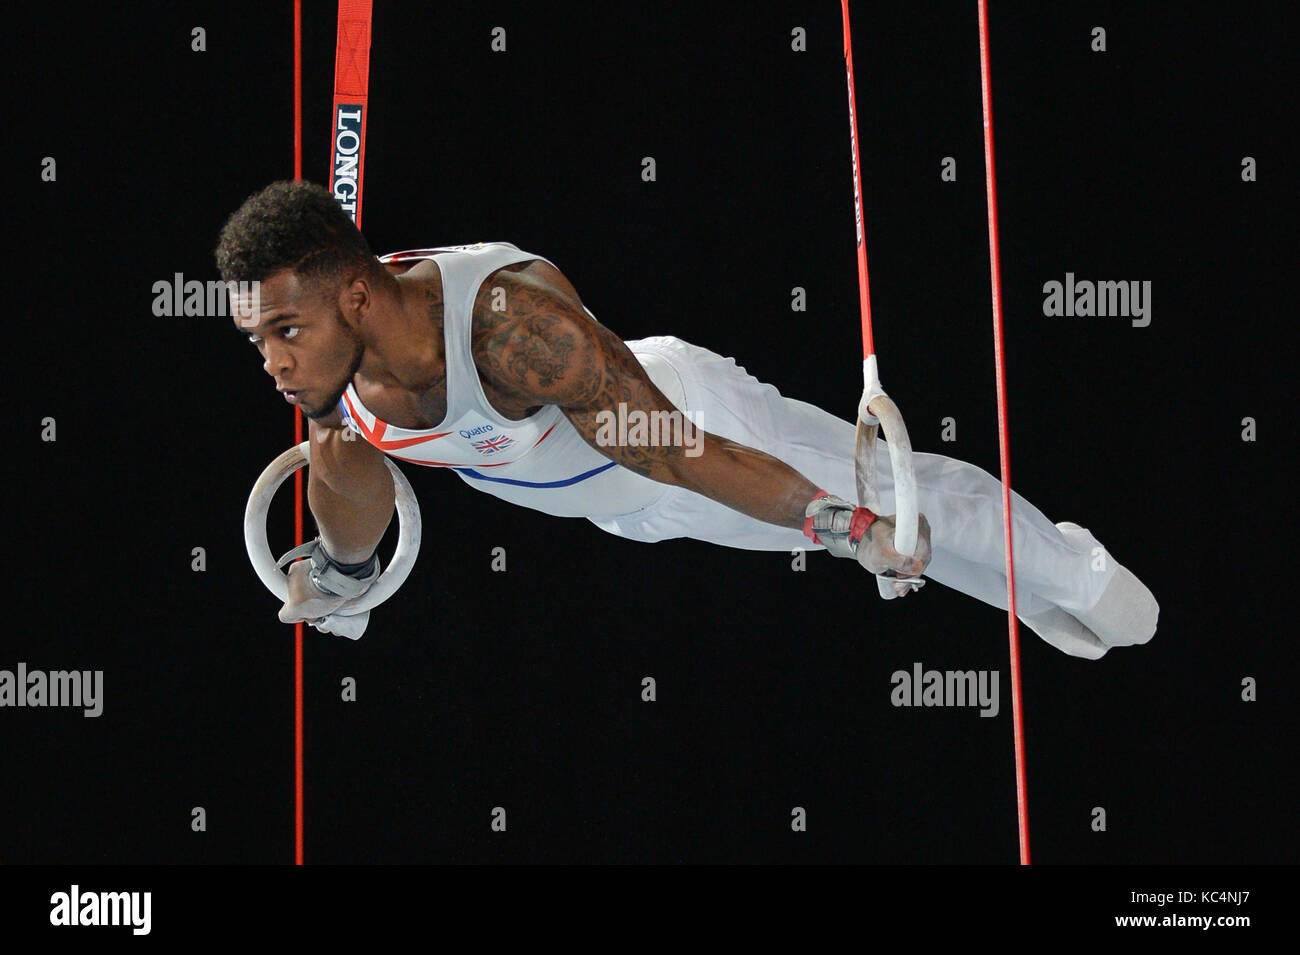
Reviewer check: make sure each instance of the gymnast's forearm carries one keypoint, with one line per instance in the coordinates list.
(350, 493)
(747, 480)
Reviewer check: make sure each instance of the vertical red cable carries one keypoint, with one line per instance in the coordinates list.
(297, 477)
(999, 353)
(864, 285)
(351, 86)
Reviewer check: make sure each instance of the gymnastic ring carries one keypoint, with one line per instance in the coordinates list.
(906, 510)
(259, 548)
(876, 408)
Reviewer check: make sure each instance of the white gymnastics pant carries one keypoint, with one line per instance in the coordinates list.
(962, 502)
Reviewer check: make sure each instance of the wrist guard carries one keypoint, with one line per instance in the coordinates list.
(836, 524)
(331, 577)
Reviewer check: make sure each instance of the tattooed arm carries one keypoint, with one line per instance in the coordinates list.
(547, 350)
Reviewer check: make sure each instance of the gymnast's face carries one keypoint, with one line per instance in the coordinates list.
(305, 341)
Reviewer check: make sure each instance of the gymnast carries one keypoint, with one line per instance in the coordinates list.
(483, 359)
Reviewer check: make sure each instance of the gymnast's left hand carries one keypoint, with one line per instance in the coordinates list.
(877, 554)
(306, 603)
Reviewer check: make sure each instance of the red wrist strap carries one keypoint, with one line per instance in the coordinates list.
(808, 521)
(862, 519)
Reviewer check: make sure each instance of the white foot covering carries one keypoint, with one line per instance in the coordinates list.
(1127, 611)
(1066, 634)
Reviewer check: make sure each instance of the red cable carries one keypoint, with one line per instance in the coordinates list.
(864, 285)
(297, 476)
(351, 82)
(999, 352)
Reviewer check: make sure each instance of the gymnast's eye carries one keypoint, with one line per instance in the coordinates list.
(284, 330)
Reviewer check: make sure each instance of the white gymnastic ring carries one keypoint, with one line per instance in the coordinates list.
(906, 509)
(876, 408)
(877, 411)
(259, 548)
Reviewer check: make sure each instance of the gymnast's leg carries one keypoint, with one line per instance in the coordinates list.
(1064, 568)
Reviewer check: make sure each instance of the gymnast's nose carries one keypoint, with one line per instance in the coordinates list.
(277, 360)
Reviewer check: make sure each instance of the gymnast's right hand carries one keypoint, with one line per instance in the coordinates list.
(848, 531)
(876, 550)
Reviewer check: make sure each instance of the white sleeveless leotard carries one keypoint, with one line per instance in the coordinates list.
(539, 462)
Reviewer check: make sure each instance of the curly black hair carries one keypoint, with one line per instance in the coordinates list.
(291, 225)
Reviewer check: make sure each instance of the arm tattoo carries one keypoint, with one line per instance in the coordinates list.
(547, 350)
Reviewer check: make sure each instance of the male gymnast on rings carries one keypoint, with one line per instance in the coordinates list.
(483, 359)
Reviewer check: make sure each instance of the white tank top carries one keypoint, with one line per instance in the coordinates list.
(540, 461)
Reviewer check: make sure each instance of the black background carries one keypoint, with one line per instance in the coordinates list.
(521, 689)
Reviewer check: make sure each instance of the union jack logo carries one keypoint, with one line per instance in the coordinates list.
(493, 445)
